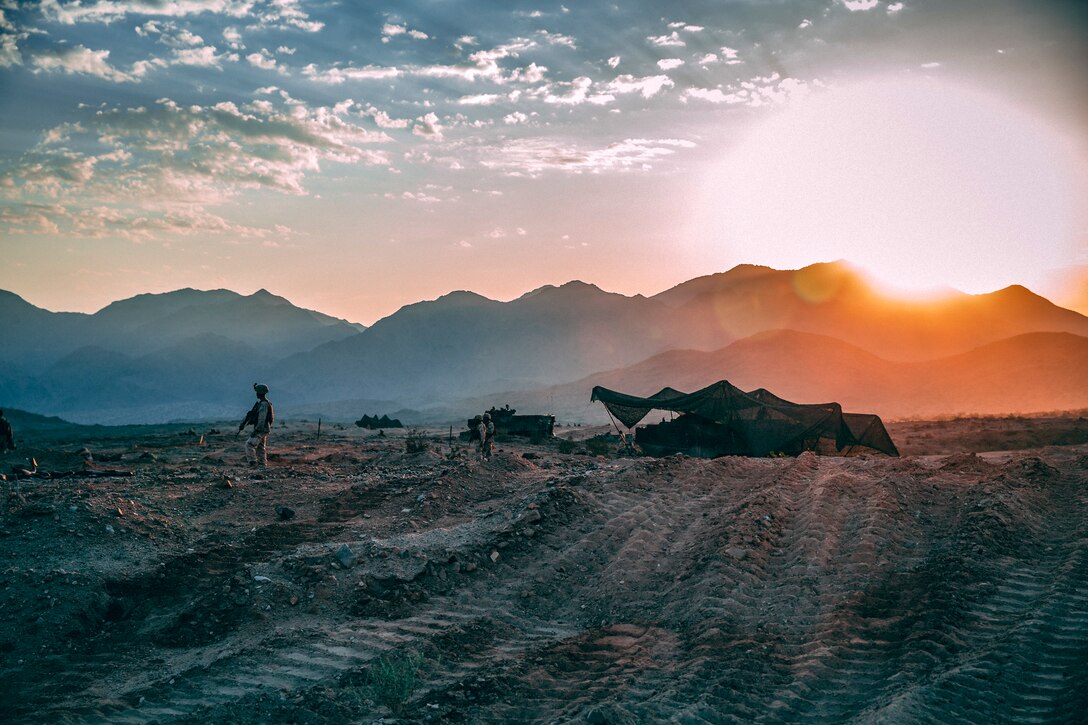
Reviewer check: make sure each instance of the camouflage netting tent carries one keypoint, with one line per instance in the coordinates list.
(722, 419)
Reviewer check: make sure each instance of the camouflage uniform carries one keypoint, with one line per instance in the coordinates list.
(261, 417)
(486, 429)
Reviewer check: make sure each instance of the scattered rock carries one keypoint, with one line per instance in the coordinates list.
(285, 513)
(261, 578)
(494, 556)
(345, 556)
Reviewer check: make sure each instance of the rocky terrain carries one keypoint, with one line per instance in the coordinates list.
(394, 578)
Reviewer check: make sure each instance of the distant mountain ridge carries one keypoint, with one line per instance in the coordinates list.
(1030, 373)
(157, 355)
(149, 322)
(152, 357)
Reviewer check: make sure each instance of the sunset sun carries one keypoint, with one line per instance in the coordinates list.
(924, 183)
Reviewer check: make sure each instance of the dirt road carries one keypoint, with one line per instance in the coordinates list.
(544, 586)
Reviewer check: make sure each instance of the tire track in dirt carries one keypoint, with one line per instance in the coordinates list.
(1027, 642)
(320, 655)
(802, 590)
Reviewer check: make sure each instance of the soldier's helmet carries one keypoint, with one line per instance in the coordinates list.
(260, 388)
(487, 416)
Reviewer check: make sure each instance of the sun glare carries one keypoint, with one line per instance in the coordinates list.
(926, 184)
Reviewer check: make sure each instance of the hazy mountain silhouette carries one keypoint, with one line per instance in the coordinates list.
(834, 299)
(145, 323)
(187, 353)
(463, 343)
(194, 354)
(1034, 372)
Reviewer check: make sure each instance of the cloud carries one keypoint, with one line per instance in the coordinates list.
(533, 157)
(483, 64)
(79, 60)
(336, 76)
(267, 13)
(530, 74)
(614, 61)
(669, 63)
(712, 95)
(32, 218)
(708, 59)
(164, 155)
(205, 56)
(755, 92)
(480, 65)
(391, 30)
(647, 86)
(108, 11)
(515, 118)
(135, 224)
(575, 93)
(233, 38)
(265, 61)
(428, 127)
(670, 40)
(383, 120)
(858, 5)
(806, 23)
(893, 8)
(557, 39)
(9, 51)
(169, 34)
(417, 196)
(482, 99)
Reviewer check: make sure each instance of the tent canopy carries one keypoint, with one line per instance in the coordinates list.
(757, 422)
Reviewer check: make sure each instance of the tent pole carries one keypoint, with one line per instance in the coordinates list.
(614, 423)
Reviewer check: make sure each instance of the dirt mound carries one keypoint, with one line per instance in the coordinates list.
(561, 587)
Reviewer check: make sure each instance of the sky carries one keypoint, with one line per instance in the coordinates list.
(357, 157)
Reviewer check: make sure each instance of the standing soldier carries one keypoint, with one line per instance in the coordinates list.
(7, 436)
(260, 416)
(487, 437)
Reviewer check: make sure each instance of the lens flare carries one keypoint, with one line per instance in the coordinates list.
(923, 183)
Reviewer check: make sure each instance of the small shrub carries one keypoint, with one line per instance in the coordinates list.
(566, 446)
(391, 680)
(599, 445)
(415, 442)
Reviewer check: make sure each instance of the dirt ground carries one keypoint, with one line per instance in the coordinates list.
(548, 584)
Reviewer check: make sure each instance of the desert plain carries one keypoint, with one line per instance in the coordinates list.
(395, 578)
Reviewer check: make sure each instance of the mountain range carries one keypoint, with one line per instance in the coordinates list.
(814, 334)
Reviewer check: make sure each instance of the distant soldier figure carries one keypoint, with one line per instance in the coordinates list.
(486, 429)
(7, 435)
(260, 416)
